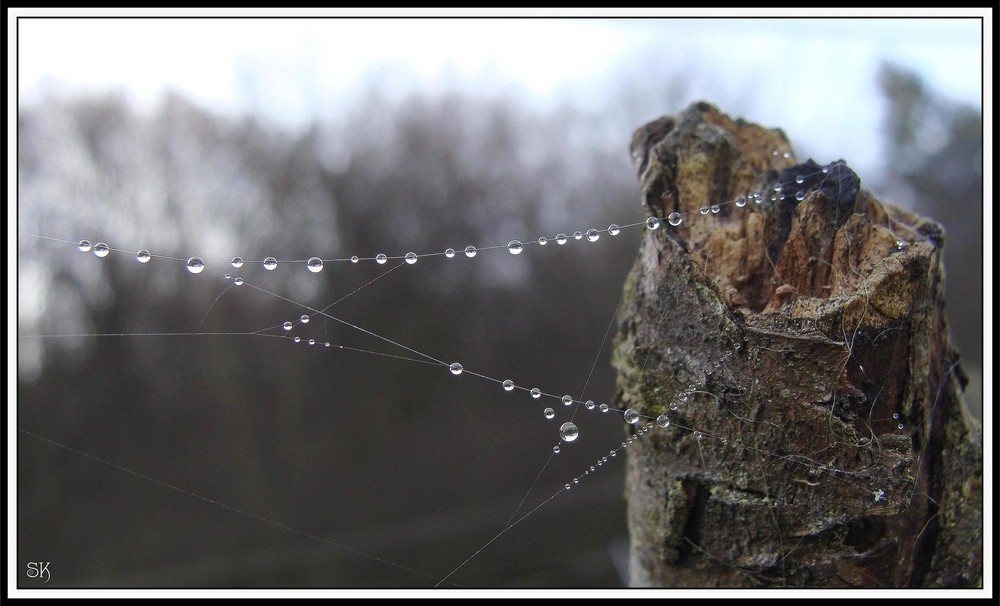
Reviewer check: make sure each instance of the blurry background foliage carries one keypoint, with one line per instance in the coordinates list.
(392, 458)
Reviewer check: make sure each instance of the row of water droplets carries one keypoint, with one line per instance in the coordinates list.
(775, 192)
(568, 431)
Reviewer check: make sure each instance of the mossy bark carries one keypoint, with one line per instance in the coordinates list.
(818, 435)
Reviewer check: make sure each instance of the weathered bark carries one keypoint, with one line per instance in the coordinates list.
(806, 328)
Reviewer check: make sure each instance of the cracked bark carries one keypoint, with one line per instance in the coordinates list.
(831, 310)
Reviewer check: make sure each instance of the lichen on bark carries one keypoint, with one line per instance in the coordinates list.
(787, 341)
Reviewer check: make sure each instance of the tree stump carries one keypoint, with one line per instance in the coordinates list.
(798, 346)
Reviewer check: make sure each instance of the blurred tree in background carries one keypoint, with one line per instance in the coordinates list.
(935, 162)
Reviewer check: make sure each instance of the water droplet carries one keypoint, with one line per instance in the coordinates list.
(895, 415)
(674, 406)
(652, 223)
(515, 247)
(578, 235)
(227, 276)
(663, 421)
(589, 405)
(508, 385)
(304, 319)
(787, 154)
(900, 245)
(613, 453)
(593, 235)
(758, 198)
(567, 400)
(704, 209)
(194, 265)
(741, 201)
(381, 258)
(455, 368)
(675, 219)
(536, 393)
(287, 325)
(698, 435)
(555, 449)
(604, 408)
(569, 432)
(84, 246)
(355, 259)
(450, 252)
(270, 263)
(774, 153)
(102, 250)
(777, 188)
(569, 486)
(900, 426)
(143, 256)
(800, 179)
(826, 169)
(314, 264)
(549, 413)
(631, 416)
(614, 230)
(327, 344)
(238, 281)
(237, 262)
(800, 195)
(312, 341)
(410, 258)
(543, 241)
(470, 251)
(715, 209)
(297, 339)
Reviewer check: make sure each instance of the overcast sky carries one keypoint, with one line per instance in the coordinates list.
(816, 78)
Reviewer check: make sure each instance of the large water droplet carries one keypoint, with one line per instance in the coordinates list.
(143, 256)
(567, 400)
(470, 251)
(569, 432)
(715, 209)
(604, 408)
(314, 264)
(450, 252)
(84, 246)
(543, 241)
(555, 449)
(561, 239)
(536, 393)
(304, 319)
(381, 258)
(741, 201)
(593, 235)
(455, 368)
(238, 281)
(355, 259)
(270, 264)
(102, 250)
(549, 413)
(589, 405)
(411, 258)
(800, 195)
(663, 421)
(652, 223)
(800, 179)
(195, 265)
(578, 235)
(614, 230)
(508, 385)
(675, 219)
(237, 262)
(287, 325)
(631, 416)
(704, 209)
(515, 247)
